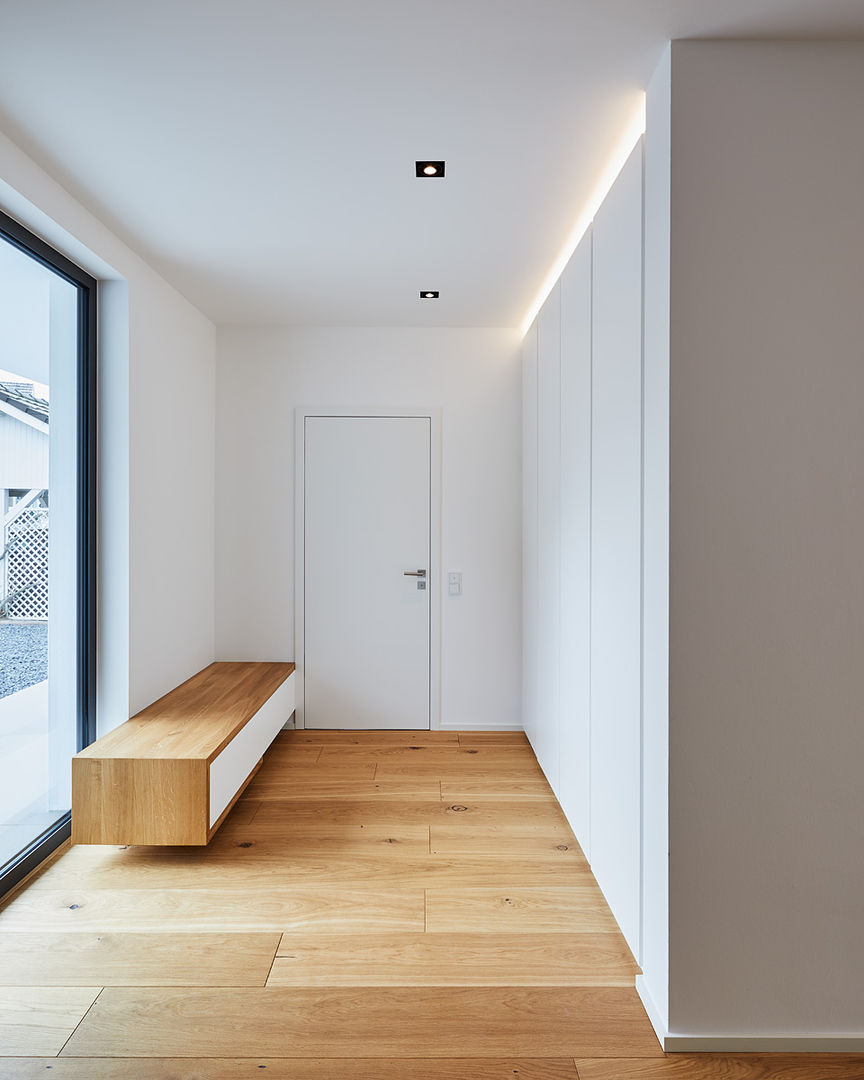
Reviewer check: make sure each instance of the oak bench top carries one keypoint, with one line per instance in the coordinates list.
(197, 719)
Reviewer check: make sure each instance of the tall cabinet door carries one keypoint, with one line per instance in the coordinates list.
(546, 740)
(574, 784)
(529, 533)
(616, 548)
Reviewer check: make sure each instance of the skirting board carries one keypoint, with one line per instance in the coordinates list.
(652, 1010)
(742, 1044)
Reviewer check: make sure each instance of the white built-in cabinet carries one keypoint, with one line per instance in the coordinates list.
(574, 782)
(546, 732)
(582, 476)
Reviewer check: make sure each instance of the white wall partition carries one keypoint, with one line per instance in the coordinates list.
(725, 740)
(766, 800)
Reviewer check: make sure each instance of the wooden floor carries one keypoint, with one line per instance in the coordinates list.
(377, 906)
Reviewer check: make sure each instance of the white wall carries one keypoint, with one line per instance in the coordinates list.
(474, 377)
(156, 451)
(654, 981)
(767, 529)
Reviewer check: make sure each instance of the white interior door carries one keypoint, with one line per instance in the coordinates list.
(367, 488)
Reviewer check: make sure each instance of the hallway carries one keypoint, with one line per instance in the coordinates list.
(372, 898)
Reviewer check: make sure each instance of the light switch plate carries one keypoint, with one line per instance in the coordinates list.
(454, 582)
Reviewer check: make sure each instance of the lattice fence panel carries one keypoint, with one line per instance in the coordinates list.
(26, 543)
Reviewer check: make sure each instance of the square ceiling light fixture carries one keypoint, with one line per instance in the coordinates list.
(429, 294)
(428, 169)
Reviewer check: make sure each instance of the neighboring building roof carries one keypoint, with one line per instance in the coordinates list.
(21, 397)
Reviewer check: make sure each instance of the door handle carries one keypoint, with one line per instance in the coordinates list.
(414, 573)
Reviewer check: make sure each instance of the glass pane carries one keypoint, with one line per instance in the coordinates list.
(38, 555)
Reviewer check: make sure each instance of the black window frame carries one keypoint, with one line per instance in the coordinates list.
(15, 233)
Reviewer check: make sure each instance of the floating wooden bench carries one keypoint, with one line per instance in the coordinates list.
(171, 774)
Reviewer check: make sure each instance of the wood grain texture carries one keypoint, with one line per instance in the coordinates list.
(430, 959)
(250, 868)
(727, 1067)
(277, 908)
(474, 816)
(116, 801)
(469, 789)
(286, 766)
(366, 738)
(442, 754)
(305, 785)
(485, 738)
(198, 718)
(574, 909)
(539, 841)
(150, 959)
(254, 1068)
(463, 768)
(36, 1021)
(365, 1022)
(491, 957)
(340, 838)
(243, 811)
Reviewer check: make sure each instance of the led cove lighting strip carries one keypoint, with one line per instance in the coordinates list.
(623, 149)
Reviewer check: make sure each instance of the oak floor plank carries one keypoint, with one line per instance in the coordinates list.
(37, 1020)
(340, 838)
(505, 738)
(278, 908)
(135, 959)
(252, 1068)
(306, 786)
(539, 841)
(284, 813)
(727, 1067)
(366, 1022)
(365, 738)
(286, 767)
(430, 959)
(248, 868)
(574, 909)
(243, 812)
(501, 773)
(295, 755)
(491, 755)
(469, 789)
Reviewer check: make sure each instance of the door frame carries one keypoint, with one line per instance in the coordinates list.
(434, 577)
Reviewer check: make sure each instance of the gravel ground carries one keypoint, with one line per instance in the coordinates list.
(23, 656)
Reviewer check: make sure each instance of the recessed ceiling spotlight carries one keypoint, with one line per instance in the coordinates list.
(429, 294)
(429, 168)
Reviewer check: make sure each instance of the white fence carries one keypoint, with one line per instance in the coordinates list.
(24, 593)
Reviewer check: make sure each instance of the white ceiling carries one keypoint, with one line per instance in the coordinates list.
(260, 154)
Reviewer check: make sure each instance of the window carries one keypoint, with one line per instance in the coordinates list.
(47, 546)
